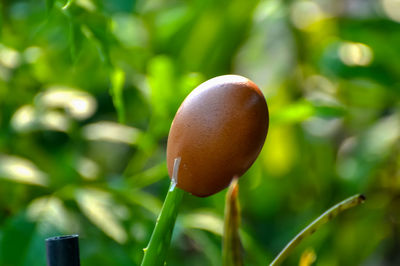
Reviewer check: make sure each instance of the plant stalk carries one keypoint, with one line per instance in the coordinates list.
(231, 246)
(157, 249)
(316, 224)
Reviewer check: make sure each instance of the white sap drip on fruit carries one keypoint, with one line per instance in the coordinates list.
(174, 178)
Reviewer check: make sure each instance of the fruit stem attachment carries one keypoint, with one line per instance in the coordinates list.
(157, 249)
(316, 224)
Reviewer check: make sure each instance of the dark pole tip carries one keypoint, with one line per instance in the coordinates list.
(63, 250)
(60, 238)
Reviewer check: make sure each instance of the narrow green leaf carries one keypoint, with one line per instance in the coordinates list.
(75, 39)
(104, 52)
(98, 28)
(316, 224)
(67, 4)
(1, 20)
(49, 5)
(117, 84)
(100, 36)
(232, 247)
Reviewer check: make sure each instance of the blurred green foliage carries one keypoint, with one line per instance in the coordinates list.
(88, 89)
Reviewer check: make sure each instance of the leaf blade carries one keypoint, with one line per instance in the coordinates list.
(316, 224)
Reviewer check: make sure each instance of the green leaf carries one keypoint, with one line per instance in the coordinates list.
(144, 200)
(163, 87)
(117, 78)
(329, 111)
(14, 246)
(209, 248)
(149, 176)
(100, 208)
(302, 110)
(203, 220)
(22, 241)
(293, 113)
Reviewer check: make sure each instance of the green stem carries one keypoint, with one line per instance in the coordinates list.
(117, 78)
(157, 249)
(316, 224)
(232, 247)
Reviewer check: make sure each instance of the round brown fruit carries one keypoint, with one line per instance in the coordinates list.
(218, 132)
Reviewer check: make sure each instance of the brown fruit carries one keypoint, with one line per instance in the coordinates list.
(218, 132)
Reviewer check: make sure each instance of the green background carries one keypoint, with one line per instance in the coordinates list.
(88, 90)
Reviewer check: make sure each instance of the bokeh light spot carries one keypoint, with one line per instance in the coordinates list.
(110, 131)
(305, 13)
(9, 57)
(79, 104)
(21, 170)
(392, 9)
(355, 54)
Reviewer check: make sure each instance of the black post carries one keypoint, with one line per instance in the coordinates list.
(63, 251)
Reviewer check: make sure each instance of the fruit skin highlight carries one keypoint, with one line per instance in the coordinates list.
(218, 132)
